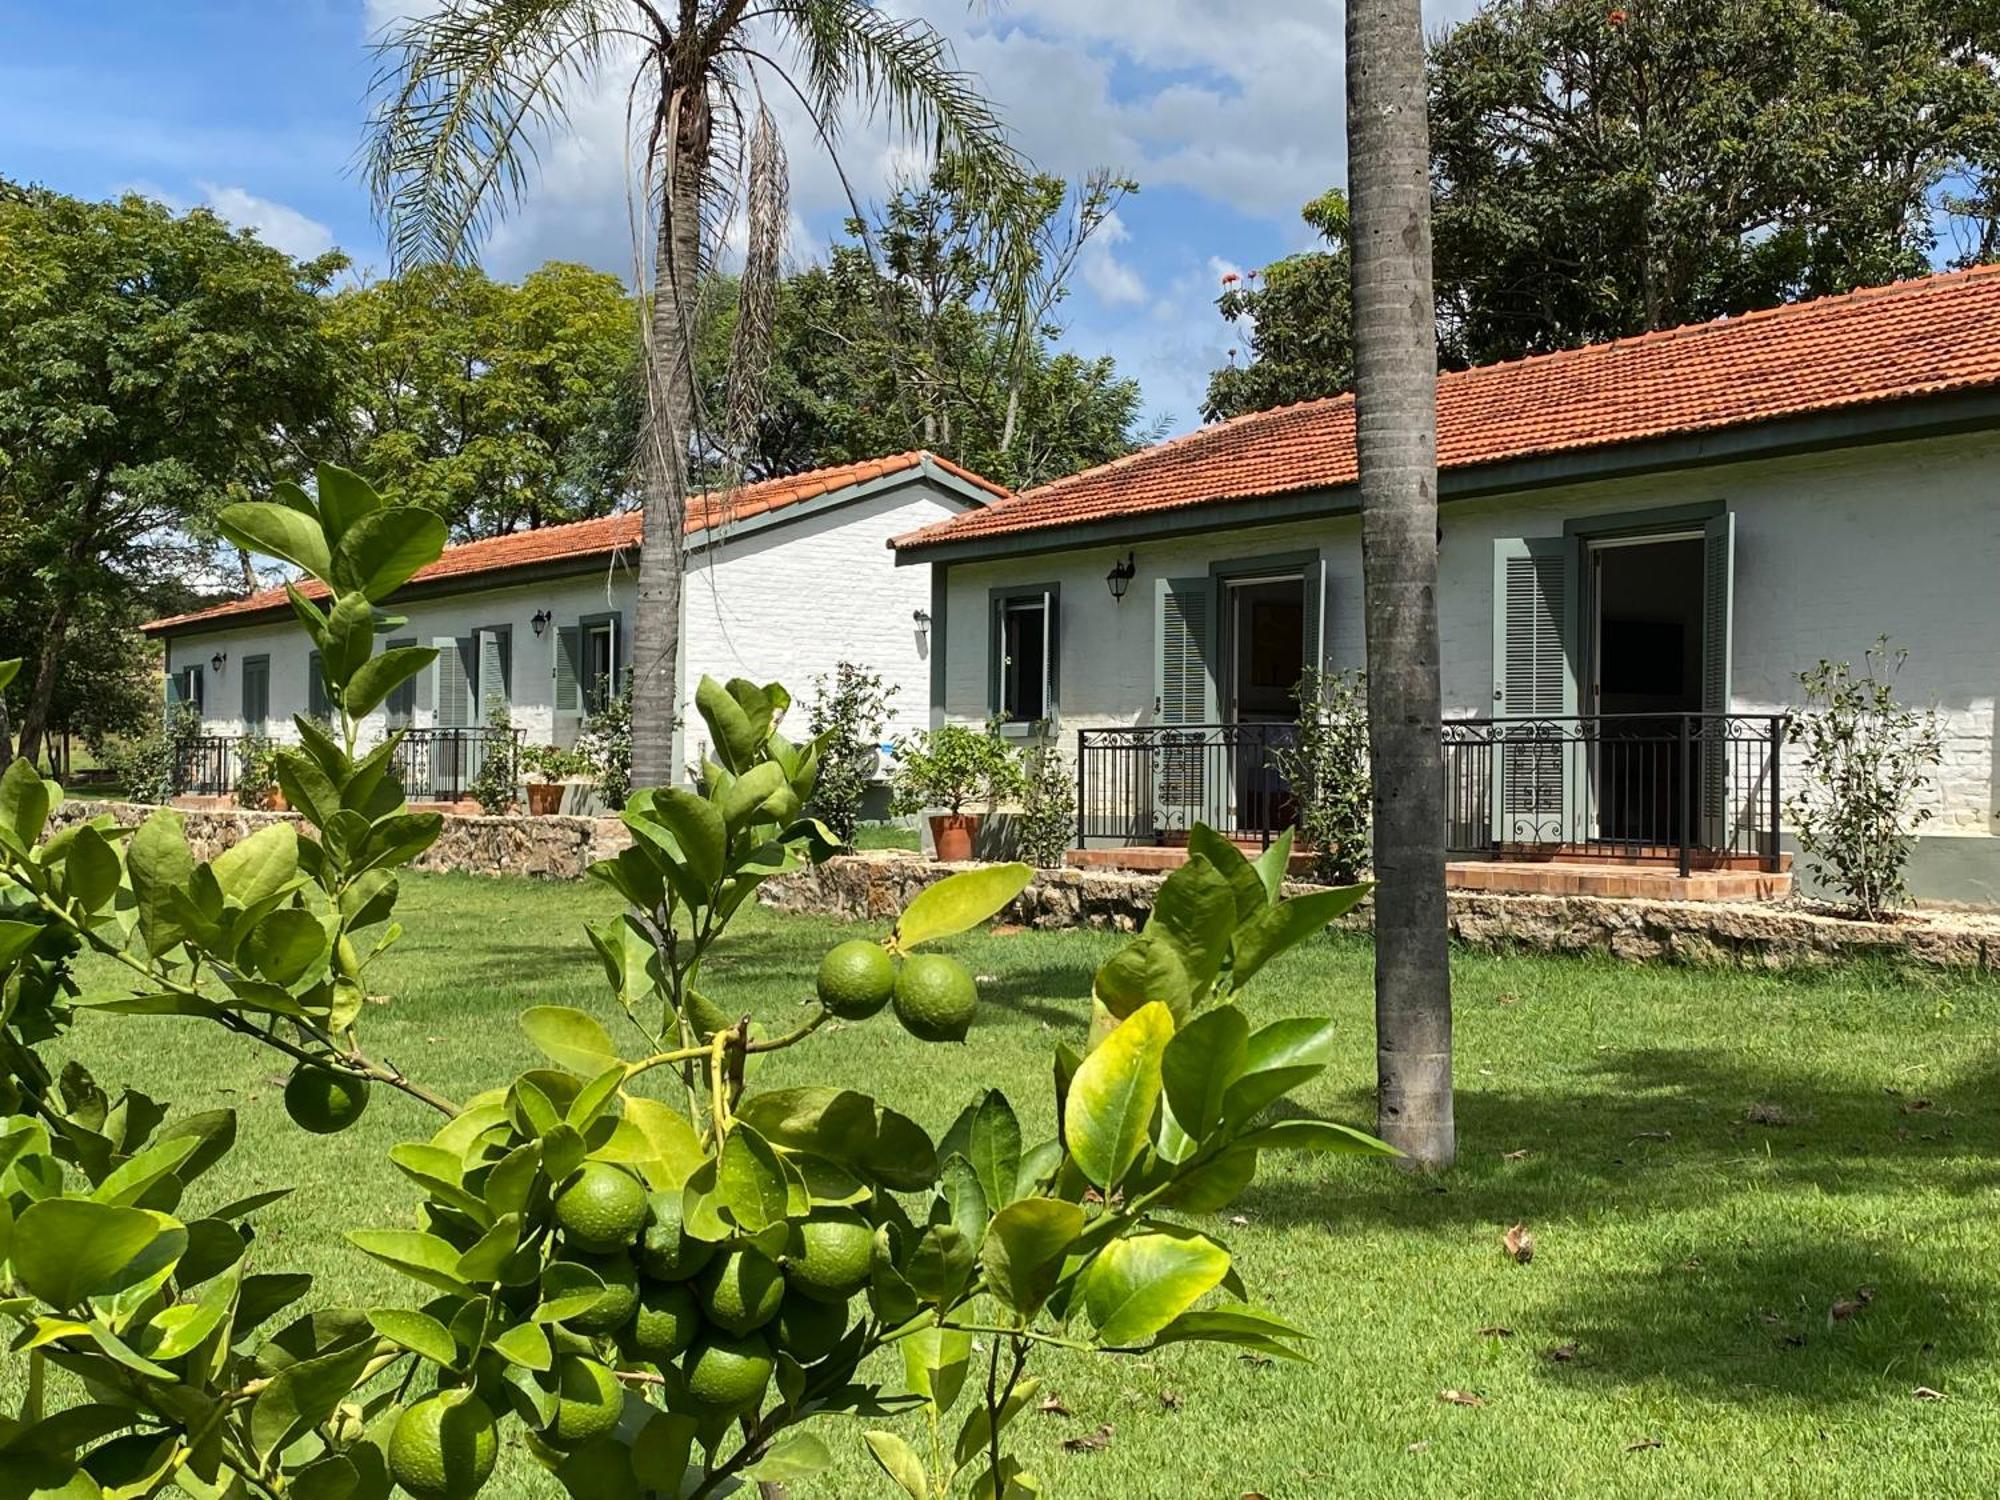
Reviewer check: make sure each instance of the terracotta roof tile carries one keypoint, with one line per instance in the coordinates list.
(1912, 338)
(612, 534)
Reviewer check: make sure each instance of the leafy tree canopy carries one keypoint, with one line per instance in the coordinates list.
(154, 367)
(1599, 171)
(1297, 320)
(499, 406)
(933, 325)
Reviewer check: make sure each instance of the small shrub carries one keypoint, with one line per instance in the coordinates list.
(256, 771)
(952, 767)
(551, 763)
(154, 767)
(848, 717)
(493, 783)
(1327, 770)
(606, 744)
(1047, 825)
(1866, 757)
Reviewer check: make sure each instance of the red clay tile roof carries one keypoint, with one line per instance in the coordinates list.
(610, 534)
(1912, 338)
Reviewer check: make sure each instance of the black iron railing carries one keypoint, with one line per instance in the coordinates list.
(439, 765)
(1684, 788)
(1150, 785)
(207, 765)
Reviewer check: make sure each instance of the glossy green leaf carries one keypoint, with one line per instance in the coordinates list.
(271, 530)
(674, 1150)
(418, 1332)
(1233, 866)
(305, 1394)
(1024, 1249)
(379, 676)
(959, 902)
(91, 871)
(1288, 924)
(988, 1135)
(1204, 1058)
(749, 1181)
(285, 945)
(131, 1180)
(24, 804)
(67, 1249)
(748, 792)
(1108, 1114)
(379, 552)
(790, 1459)
(899, 1461)
(1140, 1283)
(422, 1257)
(159, 863)
(526, 1345)
(1273, 864)
(934, 1364)
(17, 938)
(698, 828)
(1248, 1327)
(259, 867)
(568, 1290)
(736, 739)
(570, 1039)
(344, 498)
(975, 1436)
(1144, 970)
(1317, 1135)
(848, 1128)
(9, 669)
(1195, 912)
(1277, 1059)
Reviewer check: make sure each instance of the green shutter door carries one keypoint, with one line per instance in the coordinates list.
(1315, 653)
(1536, 767)
(1717, 618)
(568, 696)
(1184, 694)
(317, 704)
(453, 691)
(256, 694)
(495, 671)
(400, 706)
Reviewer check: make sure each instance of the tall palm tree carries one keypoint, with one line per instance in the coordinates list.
(1395, 386)
(468, 89)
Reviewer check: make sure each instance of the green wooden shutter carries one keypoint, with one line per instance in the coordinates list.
(568, 694)
(1314, 654)
(495, 671)
(400, 706)
(256, 694)
(1717, 619)
(1183, 694)
(1051, 650)
(318, 706)
(453, 682)
(1534, 678)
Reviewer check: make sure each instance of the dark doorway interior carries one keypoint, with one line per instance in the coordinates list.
(1266, 622)
(1645, 675)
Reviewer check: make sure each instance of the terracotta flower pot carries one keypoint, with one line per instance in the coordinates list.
(274, 801)
(953, 833)
(544, 798)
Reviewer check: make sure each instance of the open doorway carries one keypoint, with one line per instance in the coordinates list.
(1645, 673)
(1264, 634)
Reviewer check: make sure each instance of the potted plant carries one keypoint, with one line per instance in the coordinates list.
(257, 775)
(546, 768)
(948, 768)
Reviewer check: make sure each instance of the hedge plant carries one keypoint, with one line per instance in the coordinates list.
(653, 1277)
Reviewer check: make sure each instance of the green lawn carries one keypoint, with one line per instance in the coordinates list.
(1709, 1163)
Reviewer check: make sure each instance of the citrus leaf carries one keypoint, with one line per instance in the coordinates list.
(67, 1249)
(959, 902)
(1142, 1282)
(1024, 1249)
(418, 1332)
(570, 1039)
(1108, 1113)
(899, 1461)
(272, 530)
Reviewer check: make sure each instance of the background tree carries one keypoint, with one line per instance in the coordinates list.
(932, 325)
(1395, 386)
(1297, 317)
(1599, 171)
(502, 407)
(152, 363)
(467, 89)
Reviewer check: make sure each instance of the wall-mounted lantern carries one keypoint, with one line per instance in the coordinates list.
(1120, 577)
(541, 622)
(922, 618)
(215, 662)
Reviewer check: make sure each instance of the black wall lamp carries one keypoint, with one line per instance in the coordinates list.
(215, 662)
(1120, 577)
(922, 619)
(541, 621)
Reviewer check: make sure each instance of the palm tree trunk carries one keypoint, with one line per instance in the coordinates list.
(663, 463)
(1395, 367)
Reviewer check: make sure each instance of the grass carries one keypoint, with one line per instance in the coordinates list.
(1763, 1211)
(887, 836)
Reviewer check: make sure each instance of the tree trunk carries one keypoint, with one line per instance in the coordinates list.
(663, 463)
(41, 694)
(1395, 366)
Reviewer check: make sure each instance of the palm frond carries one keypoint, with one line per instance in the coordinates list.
(462, 95)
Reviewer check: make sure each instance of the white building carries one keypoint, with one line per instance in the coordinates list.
(1642, 544)
(786, 578)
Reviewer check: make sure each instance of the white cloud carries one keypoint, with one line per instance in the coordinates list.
(276, 224)
(1114, 281)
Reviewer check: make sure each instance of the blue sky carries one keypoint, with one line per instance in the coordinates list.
(1227, 114)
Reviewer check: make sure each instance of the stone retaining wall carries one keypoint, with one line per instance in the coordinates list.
(874, 887)
(556, 848)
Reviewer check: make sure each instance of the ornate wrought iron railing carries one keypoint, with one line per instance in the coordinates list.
(1685, 788)
(207, 765)
(1150, 785)
(439, 765)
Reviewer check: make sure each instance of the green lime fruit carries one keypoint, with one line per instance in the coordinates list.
(808, 1329)
(324, 1101)
(831, 1262)
(935, 998)
(667, 1252)
(665, 1324)
(741, 1290)
(856, 979)
(589, 1400)
(603, 1209)
(444, 1447)
(621, 1294)
(728, 1374)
